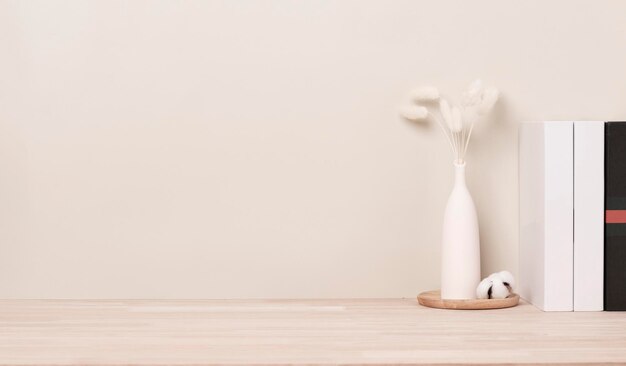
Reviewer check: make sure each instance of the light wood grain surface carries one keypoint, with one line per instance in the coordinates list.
(198, 332)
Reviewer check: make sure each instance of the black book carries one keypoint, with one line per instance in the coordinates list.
(615, 216)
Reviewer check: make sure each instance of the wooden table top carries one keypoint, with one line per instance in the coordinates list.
(203, 332)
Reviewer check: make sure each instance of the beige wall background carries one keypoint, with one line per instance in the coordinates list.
(219, 149)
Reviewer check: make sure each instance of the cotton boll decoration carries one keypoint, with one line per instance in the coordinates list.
(414, 112)
(498, 289)
(482, 291)
(497, 286)
(508, 279)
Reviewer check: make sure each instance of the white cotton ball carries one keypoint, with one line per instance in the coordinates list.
(425, 93)
(507, 278)
(498, 290)
(414, 112)
(482, 291)
(493, 286)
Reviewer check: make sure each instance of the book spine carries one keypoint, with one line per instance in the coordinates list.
(559, 216)
(531, 213)
(615, 217)
(546, 169)
(588, 216)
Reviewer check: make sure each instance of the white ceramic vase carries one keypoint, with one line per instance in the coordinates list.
(460, 249)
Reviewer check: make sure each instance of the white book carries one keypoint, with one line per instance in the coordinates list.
(546, 179)
(588, 216)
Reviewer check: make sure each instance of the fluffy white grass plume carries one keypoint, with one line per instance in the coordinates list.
(473, 93)
(425, 93)
(489, 99)
(470, 115)
(446, 113)
(498, 285)
(455, 120)
(414, 112)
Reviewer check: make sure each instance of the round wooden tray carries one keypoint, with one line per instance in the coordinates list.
(432, 299)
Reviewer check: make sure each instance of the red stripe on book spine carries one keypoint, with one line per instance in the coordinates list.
(615, 217)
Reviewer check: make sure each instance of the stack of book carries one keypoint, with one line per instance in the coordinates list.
(573, 215)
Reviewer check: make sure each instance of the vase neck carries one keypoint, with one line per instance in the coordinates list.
(459, 174)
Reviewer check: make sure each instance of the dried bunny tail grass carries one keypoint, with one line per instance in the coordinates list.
(489, 98)
(475, 86)
(425, 93)
(446, 113)
(473, 94)
(414, 112)
(469, 115)
(457, 122)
